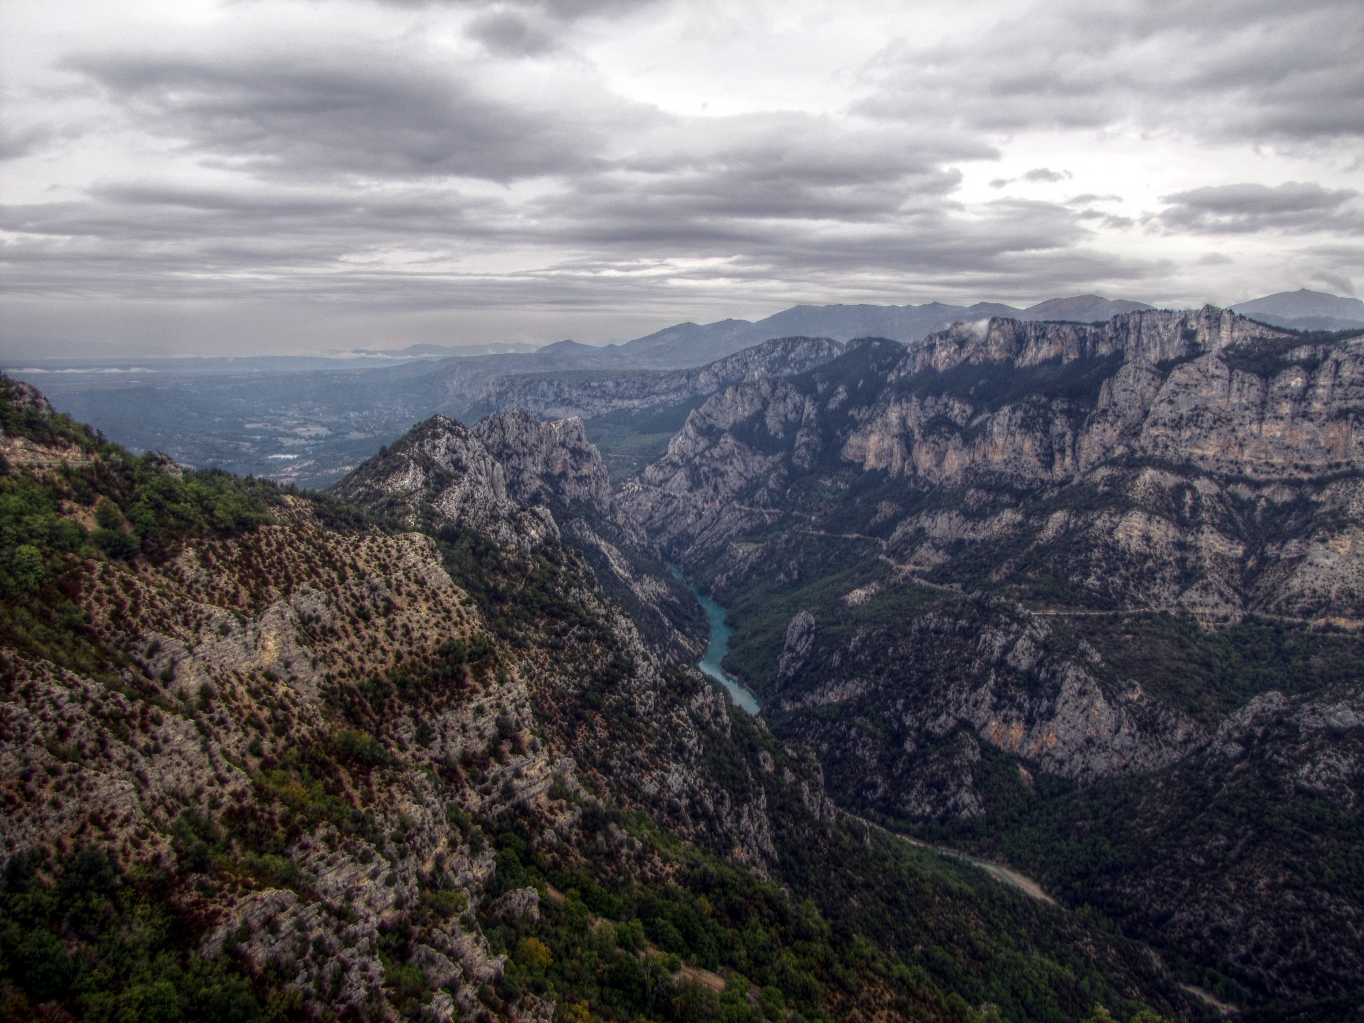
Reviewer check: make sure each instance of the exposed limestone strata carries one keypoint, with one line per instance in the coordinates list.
(547, 463)
(561, 396)
(1249, 501)
(984, 666)
(916, 541)
(525, 482)
(442, 472)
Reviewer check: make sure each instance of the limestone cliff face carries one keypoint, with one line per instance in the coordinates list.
(1223, 453)
(713, 483)
(919, 543)
(525, 483)
(546, 463)
(1193, 462)
(484, 478)
(1208, 388)
(442, 473)
(553, 466)
(562, 396)
(966, 672)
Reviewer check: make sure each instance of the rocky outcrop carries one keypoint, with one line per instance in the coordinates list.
(1217, 451)
(718, 478)
(561, 396)
(524, 483)
(23, 399)
(441, 474)
(34, 435)
(1315, 741)
(906, 694)
(797, 644)
(547, 463)
(1035, 458)
(553, 466)
(1210, 389)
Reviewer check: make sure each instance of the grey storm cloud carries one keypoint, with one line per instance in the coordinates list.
(275, 240)
(177, 243)
(16, 142)
(563, 10)
(441, 168)
(1038, 175)
(1296, 207)
(512, 34)
(628, 175)
(719, 176)
(381, 114)
(1259, 70)
(1046, 174)
(527, 28)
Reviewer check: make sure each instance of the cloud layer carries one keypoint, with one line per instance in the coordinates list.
(517, 157)
(1238, 70)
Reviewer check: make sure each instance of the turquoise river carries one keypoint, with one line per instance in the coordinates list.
(717, 648)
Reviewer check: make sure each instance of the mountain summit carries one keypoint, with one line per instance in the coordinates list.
(1306, 310)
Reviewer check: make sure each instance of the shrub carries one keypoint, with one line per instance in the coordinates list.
(448, 903)
(534, 955)
(359, 746)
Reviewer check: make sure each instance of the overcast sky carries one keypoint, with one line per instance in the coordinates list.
(251, 176)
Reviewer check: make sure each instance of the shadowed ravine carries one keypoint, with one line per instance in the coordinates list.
(710, 666)
(717, 648)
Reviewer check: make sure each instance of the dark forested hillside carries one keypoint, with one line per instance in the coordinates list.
(269, 756)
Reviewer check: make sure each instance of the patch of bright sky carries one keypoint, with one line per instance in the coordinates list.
(701, 58)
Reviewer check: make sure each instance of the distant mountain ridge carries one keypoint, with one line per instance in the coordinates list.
(692, 344)
(449, 351)
(310, 421)
(1305, 310)
(684, 345)
(555, 396)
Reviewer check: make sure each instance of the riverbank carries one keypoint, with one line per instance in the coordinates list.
(717, 648)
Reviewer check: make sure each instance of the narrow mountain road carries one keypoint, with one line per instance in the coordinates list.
(1211, 999)
(902, 571)
(1029, 887)
(1001, 873)
(907, 572)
